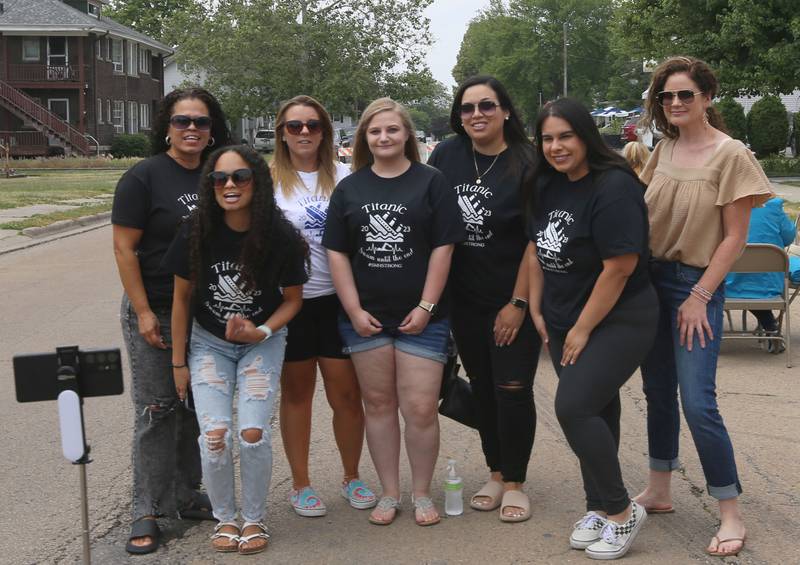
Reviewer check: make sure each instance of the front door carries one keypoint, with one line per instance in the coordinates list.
(60, 107)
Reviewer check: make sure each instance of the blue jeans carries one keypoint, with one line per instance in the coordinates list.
(669, 367)
(430, 344)
(219, 368)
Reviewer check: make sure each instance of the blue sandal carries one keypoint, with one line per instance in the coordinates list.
(306, 502)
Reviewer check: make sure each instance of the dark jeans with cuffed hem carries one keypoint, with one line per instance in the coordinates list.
(670, 367)
(165, 454)
(502, 385)
(587, 399)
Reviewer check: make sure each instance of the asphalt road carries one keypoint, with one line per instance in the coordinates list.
(66, 292)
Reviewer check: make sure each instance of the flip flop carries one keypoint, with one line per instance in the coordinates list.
(199, 509)
(493, 490)
(144, 527)
(659, 510)
(726, 553)
(385, 504)
(425, 504)
(517, 499)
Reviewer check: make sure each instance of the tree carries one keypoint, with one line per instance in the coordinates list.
(733, 114)
(167, 21)
(753, 45)
(768, 126)
(344, 52)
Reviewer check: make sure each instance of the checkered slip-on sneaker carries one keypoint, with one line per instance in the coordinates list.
(587, 530)
(616, 539)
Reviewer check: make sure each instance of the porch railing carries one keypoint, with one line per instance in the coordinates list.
(24, 143)
(45, 73)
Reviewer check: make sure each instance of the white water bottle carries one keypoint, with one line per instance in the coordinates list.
(453, 491)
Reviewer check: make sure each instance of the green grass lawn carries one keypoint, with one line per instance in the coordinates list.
(791, 182)
(56, 187)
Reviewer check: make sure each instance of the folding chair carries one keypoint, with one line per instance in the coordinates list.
(763, 258)
(794, 287)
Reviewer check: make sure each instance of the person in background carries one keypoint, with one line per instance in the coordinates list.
(390, 233)
(239, 266)
(637, 155)
(701, 186)
(485, 164)
(305, 175)
(150, 200)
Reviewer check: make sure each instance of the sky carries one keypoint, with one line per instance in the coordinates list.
(449, 20)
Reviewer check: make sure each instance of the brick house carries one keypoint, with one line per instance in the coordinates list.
(69, 74)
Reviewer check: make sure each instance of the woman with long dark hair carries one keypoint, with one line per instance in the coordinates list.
(149, 202)
(593, 305)
(485, 165)
(305, 175)
(701, 186)
(239, 267)
(390, 233)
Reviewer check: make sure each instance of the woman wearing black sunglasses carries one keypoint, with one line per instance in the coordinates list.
(701, 187)
(149, 202)
(239, 270)
(485, 165)
(305, 174)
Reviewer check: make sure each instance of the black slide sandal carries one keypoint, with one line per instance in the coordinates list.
(144, 527)
(200, 509)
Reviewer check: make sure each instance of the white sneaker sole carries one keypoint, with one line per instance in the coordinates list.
(360, 505)
(580, 544)
(605, 555)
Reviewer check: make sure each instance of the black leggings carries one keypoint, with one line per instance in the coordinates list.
(502, 385)
(587, 399)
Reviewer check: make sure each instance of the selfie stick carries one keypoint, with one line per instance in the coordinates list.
(73, 438)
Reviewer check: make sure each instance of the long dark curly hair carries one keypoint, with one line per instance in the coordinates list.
(271, 239)
(219, 124)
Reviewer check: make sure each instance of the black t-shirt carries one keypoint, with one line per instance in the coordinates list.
(220, 291)
(389, 227)
(153, 196)
(485, 265)
(576, 226)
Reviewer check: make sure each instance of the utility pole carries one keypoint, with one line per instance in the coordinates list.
(565, 59)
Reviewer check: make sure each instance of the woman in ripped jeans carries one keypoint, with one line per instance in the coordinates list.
(245, 265)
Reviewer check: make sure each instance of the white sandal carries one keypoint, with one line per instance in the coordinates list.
(250, 537)
(234, 538)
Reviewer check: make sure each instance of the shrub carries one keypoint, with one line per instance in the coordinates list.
(768, 126)
(776, 165)
(796, 133)
(130, 145)
(735, 120)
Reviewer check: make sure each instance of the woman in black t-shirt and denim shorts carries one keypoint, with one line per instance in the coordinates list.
(390, 232)
(593, 304)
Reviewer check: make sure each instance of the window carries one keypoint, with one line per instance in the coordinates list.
(144, 116)
(133, 117)
(99, 111)
(31, 49)
(144, 60)
(57, 54)
(116, 55)
(94, 10)
(108, 111)
(107, 48)
(119, 116)
(98, 51)
(59, 107)
(131, 64)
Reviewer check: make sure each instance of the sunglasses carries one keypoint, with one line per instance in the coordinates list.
(666, 97)
(179, 121)
(240, 177)
(295, 127)
(485, 107)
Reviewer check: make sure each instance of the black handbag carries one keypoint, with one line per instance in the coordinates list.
(456, 393)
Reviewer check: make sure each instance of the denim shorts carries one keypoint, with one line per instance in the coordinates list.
(430, 344)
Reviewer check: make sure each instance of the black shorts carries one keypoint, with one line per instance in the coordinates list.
(314, 331)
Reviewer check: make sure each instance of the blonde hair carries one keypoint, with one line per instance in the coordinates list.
(637, 154)
(283, 171)
(362, 156)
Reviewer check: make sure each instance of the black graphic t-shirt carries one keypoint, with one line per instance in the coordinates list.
(220, 291)
(389, 227)
(576, 226)
(153, 196)
(485, 265)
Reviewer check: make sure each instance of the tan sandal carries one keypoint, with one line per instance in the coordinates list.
(384, 506)
(493, 490)
(244, 540)
(718, 553)
(515, 499)
(225, 542)
(423, 505)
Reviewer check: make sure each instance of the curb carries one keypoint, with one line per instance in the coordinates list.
(57, 230)
(64, 225)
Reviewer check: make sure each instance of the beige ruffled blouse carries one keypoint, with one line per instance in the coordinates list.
(685, 204)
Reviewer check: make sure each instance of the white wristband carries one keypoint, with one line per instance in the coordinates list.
(267, 330)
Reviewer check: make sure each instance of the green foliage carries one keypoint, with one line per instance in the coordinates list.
(751, 44)
(522, 45)
(421, 119)
(796, 133)
(768, 126)
(164, 20)
(777, 165)
(733, 114)
(130, 145)
(613, 127)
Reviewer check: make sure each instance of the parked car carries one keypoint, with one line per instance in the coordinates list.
(420, 135)
(347, 136)
(264, 140)
(629, 130)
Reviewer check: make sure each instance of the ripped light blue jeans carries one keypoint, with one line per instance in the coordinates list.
(222, 371)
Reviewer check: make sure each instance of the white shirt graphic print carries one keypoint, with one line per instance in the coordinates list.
(473, 200)
(550, 241)
(227, 296)
(385, 236)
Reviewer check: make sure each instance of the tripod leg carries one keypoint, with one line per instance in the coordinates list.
(87, 559)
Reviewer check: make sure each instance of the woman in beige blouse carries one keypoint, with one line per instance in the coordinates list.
(701, 187)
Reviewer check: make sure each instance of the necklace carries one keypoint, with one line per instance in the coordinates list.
(477, 172)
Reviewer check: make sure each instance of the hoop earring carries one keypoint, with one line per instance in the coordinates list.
(211, 142)
(168, 141)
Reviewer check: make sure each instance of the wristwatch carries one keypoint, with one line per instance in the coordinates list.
(430, 307)
(520, 303)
